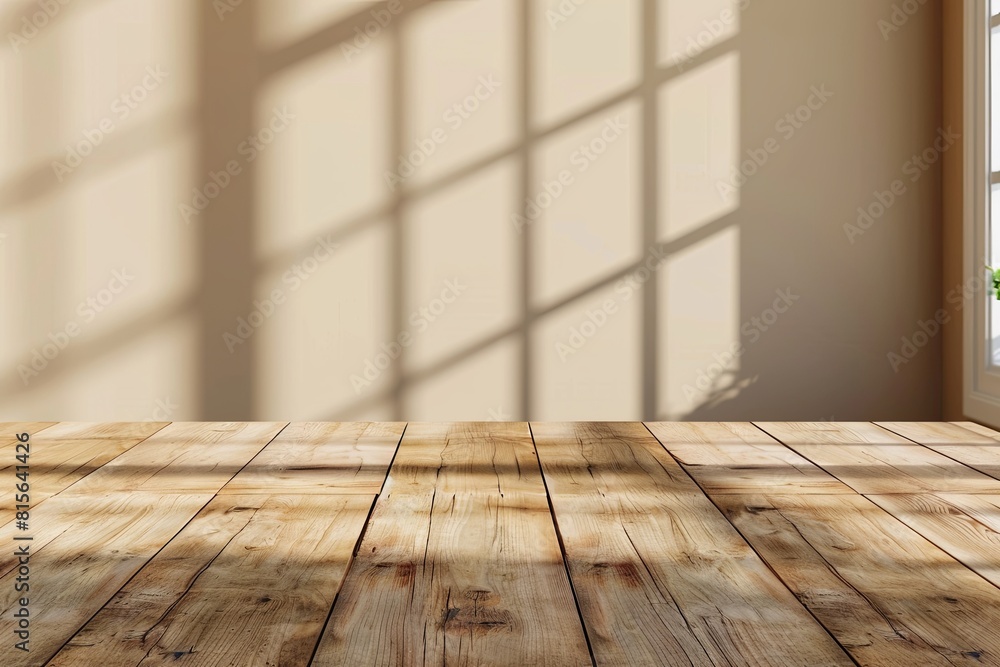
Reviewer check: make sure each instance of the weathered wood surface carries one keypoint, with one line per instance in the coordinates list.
(888, 595)
(457, 559)
(737, 457)
(661, 576)
(322, 458)
(871, 459)
(506, 544)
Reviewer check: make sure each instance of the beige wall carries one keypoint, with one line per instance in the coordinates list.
(952, 199)
(484, 291)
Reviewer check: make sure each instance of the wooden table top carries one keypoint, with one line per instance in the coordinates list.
(500, 543)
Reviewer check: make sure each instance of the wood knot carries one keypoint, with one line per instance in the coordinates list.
(626, 571)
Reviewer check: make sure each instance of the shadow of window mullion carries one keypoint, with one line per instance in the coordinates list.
(227, 88)
(397, 264)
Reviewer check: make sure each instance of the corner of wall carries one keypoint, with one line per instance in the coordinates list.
(951, 228)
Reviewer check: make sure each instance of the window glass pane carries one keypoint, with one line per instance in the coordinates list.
(995, 97)
(994, 7)
(993, 239)
(994, 242)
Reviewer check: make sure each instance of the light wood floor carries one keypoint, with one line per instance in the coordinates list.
(621, 543)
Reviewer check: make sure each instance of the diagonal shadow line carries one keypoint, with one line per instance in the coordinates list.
(669, 247)
(356, 225)
(40, 179)
(664, 73)
(29, 185)
(470, 169)
(343, 30)
(77, 357)
(12, 21)
(334, 34)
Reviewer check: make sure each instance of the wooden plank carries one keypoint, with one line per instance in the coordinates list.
(887, 594)
(339, 457)
(250, 581)
(64, 453)
(184, 457)
(489, 457)
(738, 457)
(629, 620)
(8, 430)
(661, 577)
(460, 563)
(870, 459)
(8, 440)
(973, 449)
(967, 526)
(978, 428)
(81, 556)
(605, 458)
(456, 579)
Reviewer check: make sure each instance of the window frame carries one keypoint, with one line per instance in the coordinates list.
(981, 381)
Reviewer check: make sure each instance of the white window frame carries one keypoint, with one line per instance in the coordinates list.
(981, 382)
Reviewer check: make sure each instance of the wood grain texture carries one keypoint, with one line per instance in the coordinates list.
(456, 579)
(250, 581)
(231, 544)
(64, 453)
(82, 554)
(738, 457)
(9, 430)
(458, 555)
(978, 428)
(184, 457)
(887, 594)
(605, 459)
(966, 526)
(466, 457)
(323, 458)
(660, 575)
(976, 450)
(871, 459)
